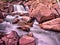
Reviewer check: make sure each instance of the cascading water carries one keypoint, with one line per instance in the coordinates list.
(43, 37)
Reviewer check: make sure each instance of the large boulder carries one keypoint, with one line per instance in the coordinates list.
(51, 25)
(11, 39)
(43, 13)
(26, 40)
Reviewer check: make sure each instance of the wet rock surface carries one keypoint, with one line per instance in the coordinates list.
(44, 11)
(11, 39)
(39, 35)
(21, 27)
(27, 40)
(52, 24)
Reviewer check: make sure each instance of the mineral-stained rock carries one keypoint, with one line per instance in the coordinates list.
(42, 13)
(26, 40)
(51, 25)
(11, 39)
(25, 26)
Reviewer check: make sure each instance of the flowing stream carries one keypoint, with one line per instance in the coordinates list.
(43, 37)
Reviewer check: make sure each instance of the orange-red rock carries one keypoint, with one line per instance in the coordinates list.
(11, 39)
(51, 25)
(42, 13)
(26, 40)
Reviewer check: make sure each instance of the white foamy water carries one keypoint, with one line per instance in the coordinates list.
(14, 28)
(43, 37)
(20, 8)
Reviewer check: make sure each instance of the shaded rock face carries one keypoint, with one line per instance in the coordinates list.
(43, 13)
(44, 10)
(52, 24)
(11, 39)
(26, 40)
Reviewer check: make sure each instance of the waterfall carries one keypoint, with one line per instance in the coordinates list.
(20, 8)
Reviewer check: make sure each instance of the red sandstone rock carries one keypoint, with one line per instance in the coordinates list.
(11, 39)
(26, 40)
(51, 25)
(42, 13)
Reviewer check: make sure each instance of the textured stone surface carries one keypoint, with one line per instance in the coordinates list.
(42, 13)
(26, 40)
(11, 39)
(52, 24)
